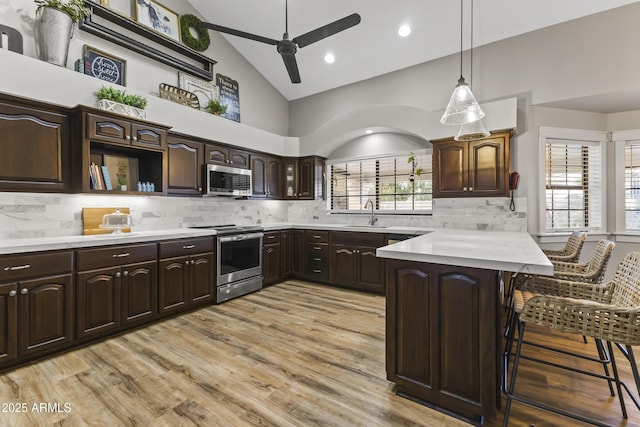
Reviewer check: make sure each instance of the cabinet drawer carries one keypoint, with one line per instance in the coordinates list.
(89, 259)
(317, 259)
(108, 129)
(371, 239)
(317, 249)
(175, 248)
(317, 272)
(17, 267)
(271, 237)
(316, 236)
(148, 136)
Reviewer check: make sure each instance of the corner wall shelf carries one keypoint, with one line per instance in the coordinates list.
(97, 29)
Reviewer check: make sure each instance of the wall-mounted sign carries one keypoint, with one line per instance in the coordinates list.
(104, 66)
(230, 96)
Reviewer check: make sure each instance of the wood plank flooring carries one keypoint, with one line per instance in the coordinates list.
(294, 354)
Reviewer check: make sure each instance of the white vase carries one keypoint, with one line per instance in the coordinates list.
(53, 31)
(118, 108)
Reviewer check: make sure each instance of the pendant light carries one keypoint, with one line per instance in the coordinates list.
(463, 107)
(474, 130)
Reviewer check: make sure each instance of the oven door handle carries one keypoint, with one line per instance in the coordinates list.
(236, 237)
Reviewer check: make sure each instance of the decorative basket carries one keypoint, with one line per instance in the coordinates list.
(178, 95)
(127, 110)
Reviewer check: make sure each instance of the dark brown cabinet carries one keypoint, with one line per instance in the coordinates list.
(227, 155)
(187, 274)
(316, 252)
(271, 261)
(441, 336)
(35, 146)
(138, 149)
(286, 248)
(117, 286)
(297, 253)
(471, 169)
(303, 178)
(354, 263)
(36, 304)
(265, 176)
(185, 164)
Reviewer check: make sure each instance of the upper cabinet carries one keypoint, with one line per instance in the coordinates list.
(471, 168)
(303, 178)
(186, 158)
(265, 176)
(132, 150)
(35, 146)
(226, 155)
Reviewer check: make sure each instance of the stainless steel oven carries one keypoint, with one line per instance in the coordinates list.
(239, 262)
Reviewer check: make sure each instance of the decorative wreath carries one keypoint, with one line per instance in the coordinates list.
(202, 42)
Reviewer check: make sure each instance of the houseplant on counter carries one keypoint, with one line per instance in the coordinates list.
(215, 107)
(118, 101)
(54, 28)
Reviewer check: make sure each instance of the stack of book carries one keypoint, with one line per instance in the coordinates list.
(99, 177)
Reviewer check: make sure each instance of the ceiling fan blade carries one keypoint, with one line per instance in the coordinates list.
(327, 30)
(292, 68)
(239, 33)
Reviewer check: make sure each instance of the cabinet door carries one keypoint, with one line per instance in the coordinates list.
(108, 129)
(8, 322)
(216, 154)
(285, 254)
(290, 175)
(343, 265)
(488, 171)
(274, 183)
(173, 284)
(297, 253)
(46, 313)
(370, 270)
(202, 278)
(450, 169)
(98, 301)
(139, 292)
(258, 176)
(35, 148)
(271, 263)
(238, 158)
(146, 136)
(306, 178)
(185, 160)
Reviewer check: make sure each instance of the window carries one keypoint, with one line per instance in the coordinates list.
(627, 181)
(573, 179)
(389, 182)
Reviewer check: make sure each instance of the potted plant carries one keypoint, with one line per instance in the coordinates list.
(118, 101)
(215, 107)
(415, 169)
(54, 28)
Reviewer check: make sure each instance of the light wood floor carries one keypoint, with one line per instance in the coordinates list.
(294, 354)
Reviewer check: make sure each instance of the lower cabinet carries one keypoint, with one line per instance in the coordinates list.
(117, 287)
(36, 304)
(297, 253)
(285, 254)
(441, 329)
(271, 262)
(354, 263)
(186, 274)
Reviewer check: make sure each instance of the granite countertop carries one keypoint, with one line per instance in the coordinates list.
(492, 250)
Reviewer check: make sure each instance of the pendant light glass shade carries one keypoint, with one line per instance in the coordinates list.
(463, 107)
(472, 131)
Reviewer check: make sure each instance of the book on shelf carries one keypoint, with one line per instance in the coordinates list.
(106, 178)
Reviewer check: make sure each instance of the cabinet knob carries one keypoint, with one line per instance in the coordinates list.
(128, 137)
(470, 188)
(135, 138)
(186, 262)
(13, 293)
(193, 262)
(24, 291)
(464, 188)
(126, 273)
(118, 274)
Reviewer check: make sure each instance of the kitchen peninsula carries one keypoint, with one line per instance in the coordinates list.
(443, 315)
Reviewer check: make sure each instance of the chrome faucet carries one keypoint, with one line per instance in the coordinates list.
(373, 219)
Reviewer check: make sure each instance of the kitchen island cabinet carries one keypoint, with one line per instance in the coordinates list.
(354, 263)
(443, 315)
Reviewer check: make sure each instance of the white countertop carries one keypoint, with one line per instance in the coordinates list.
(492, 250)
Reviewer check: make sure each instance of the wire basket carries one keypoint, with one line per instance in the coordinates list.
(181, 96)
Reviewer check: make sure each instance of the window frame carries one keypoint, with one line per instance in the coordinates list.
(577, 136)
(329, 163)
(620, 140)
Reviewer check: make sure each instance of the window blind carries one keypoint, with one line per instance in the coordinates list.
(632, 184)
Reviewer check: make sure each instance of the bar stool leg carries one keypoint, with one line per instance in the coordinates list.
(514, 370)
(602, 354)
(614, 367)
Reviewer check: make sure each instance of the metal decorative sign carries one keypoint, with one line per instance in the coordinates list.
(104, 66)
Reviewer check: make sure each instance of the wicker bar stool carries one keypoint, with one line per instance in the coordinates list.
(608, 312)
(571, 251)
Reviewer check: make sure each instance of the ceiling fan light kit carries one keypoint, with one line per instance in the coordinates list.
(463, 107)
(287, 47)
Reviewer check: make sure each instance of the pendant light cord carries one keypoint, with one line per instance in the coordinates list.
(461, 22)
(471, 52)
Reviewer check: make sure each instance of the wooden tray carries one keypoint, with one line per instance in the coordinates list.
(178, 95)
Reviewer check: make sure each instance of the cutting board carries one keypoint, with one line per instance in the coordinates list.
(92, 218)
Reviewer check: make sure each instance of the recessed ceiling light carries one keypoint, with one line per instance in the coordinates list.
(329, 58)
(368, 131)
(404, 30)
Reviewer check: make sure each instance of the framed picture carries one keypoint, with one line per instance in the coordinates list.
(123, 7)
(203, 90)
(230, 96)
(152, 14)
(123, 171)
(103, 66)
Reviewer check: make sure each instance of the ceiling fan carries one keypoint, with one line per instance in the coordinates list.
(286, 47)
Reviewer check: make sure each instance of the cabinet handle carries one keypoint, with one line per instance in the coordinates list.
(126, 273)
(188, 246)
(269, 250)
(118, 274)
(316, 248)
(17, 267)
(317, 270)
(317, 236)
(126, 254)
(317, 259)
(368, 253)
(24, 291)
(12, 293)
(345, 251)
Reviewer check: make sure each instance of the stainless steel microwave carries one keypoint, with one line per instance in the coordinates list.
(227, 181)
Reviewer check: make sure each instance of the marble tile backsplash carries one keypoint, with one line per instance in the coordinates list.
(47, 215)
